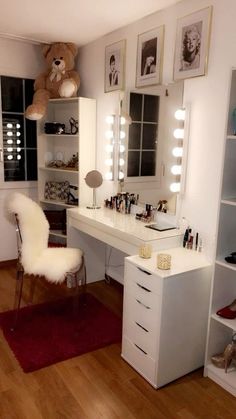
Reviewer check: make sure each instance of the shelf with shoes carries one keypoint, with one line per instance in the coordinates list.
(220, 328)
(66, 141)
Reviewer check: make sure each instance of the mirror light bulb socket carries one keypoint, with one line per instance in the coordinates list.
(178, 133)
(175, 187)
(180, 114)
(177, 151)
(176, 169)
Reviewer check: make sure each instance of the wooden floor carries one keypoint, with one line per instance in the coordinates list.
(98, 384)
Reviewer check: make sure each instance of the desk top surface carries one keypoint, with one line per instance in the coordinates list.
(112, 221)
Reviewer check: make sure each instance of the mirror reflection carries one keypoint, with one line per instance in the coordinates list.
(150, 143)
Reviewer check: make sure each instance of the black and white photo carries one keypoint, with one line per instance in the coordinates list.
(114, 66)
(192, 42)
(149, 57)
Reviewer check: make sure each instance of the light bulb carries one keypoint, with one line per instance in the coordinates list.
(18, 149)
(121, 162)
(175, 187)
(176, 169)
(109, 134)
(9, 141)
(17, 141)
(109, 162)
(180, 114)
(110, 119)
(9, 125)
(9, 133)
(122, 148)
(108, 176)
(177, 151)
(17, 125)
(121, 175)
(18, 157)
(18, 134)
(10, 157)
(122, 120)
(178, 133)
(109, 148)
(122, 135)
(10, 149)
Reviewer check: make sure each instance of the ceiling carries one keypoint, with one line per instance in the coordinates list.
(79, 21)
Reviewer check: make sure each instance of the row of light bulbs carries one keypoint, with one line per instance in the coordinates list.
(177, 151)
(115, 149)
(11, 134)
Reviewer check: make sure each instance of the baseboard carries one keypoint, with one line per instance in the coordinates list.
(7, 263)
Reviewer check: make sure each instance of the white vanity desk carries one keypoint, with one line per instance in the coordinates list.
(92, 229)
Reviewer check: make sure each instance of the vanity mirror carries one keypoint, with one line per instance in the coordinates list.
(150, 142)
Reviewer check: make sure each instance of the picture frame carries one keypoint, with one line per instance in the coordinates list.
(149, 57)
(115, 66)
(192, 44)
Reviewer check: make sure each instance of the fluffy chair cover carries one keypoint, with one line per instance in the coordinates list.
(36, 257)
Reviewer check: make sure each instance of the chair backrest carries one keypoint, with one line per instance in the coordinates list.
(34, 227)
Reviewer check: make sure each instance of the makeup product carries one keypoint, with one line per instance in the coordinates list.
(185, 237)
(200, 245)
(196, 242)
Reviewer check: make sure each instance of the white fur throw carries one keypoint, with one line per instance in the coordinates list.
(37, 258)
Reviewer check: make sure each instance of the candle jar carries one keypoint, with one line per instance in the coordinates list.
(163, 261)
(145, 251)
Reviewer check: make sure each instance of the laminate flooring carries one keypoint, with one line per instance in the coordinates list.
(99, 384)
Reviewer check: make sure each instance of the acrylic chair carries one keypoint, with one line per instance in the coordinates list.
(35, 258)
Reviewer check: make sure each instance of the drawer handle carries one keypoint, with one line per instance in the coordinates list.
(139, 325)
(143, 270)
(145, 353)
(143, 304)
(143, 288)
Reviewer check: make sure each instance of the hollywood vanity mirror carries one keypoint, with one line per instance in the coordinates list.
(150, 142)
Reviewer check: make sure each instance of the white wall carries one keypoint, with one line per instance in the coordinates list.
(208, 96)
(18, 59)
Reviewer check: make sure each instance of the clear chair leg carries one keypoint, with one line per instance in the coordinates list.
(18, 295)
(32, 289)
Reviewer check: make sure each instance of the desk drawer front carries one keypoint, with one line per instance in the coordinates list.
(136, 310)
(143, 363)
(142, 337)
(142, 294)
(144, 278)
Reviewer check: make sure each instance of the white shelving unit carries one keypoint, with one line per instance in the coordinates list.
(223, 291)
(64, 146)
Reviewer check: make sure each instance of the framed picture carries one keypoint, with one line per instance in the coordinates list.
(149, 57)
(192, 44)
(115, 66)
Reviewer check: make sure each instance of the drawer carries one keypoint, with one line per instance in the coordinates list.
(141, 293)
(144, 338)
(136, 310)
(144, 278)
(141, 362)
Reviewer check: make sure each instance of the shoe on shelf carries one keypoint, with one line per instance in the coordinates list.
(228, 312)
(218, 360)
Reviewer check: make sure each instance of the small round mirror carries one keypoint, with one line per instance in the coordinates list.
(93, 179)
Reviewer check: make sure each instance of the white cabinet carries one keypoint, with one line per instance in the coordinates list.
(223, 292)
(64, 146)
(165, 315)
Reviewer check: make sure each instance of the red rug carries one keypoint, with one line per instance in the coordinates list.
(50, 332)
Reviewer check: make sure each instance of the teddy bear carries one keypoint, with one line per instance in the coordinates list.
(60, 80)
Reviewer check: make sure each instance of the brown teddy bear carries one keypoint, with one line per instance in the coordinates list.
(60, 80)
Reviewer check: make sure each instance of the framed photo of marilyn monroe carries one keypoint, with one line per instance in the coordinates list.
(149, 57)
(192, 44)
(115, 66)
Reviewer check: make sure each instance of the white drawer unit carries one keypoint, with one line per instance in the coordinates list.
(164, 331)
